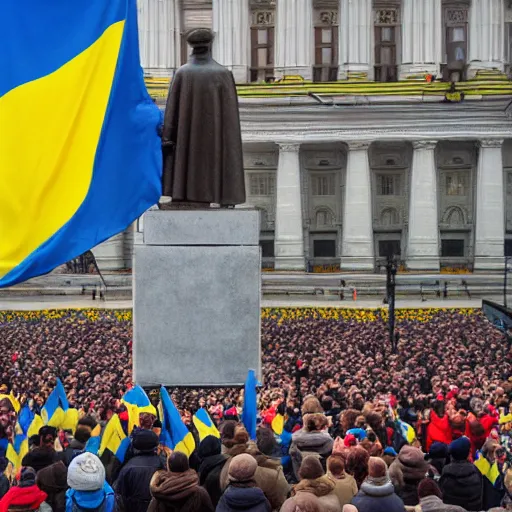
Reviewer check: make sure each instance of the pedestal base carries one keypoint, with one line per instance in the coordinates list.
(489, 263)
(197, 298)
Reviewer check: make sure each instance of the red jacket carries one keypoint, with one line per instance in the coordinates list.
(439, 430)
(27, 497)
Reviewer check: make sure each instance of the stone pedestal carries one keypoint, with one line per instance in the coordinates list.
(197, 298)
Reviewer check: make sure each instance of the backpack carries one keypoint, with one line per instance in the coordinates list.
(102, 507)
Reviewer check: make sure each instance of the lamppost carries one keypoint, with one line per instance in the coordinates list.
(508, 259)
(390, 289)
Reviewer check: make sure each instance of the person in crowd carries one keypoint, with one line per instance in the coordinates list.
(431, 498)
(44, 455)
(461, 482)
(81, 435)
(210, 468)
(345, 484)
(313, 437)
(88, 489)
(243, 493)
(314, 481)
(437, 458)
(53, 481)
(439, 428)
(357, 464)
(178, 489)
(132, 484)
(4, 481)
(377, 493)
(25, 495)
(406, 473)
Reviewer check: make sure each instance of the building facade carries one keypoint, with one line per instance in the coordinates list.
(371, 128)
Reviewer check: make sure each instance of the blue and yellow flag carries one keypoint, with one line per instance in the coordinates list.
(114, 439)
(490, 471)
(80, 155)
(137, 401)
(250, 409)
(204, 425)
(54, 409)
(175, 435)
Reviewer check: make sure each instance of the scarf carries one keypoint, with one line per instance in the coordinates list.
(319, 486)
(30, 497)
(169, 486)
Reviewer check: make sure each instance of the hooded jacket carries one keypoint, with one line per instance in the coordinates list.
(132, 484)
(24, 499)
(461, 483)
(178, 492)
(345, 487)
(210, 468)
(324, 489)
(86, 500)
(53, 481)
(435, 504)
(377, 498)
(438, 429)
(40, 458)
(248, 499)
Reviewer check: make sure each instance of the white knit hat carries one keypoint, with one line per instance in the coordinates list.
(86, 473)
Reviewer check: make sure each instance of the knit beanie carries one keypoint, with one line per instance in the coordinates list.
(26, 477)
(428, 487)
(86, 473)
(460, 448)
(414, 460)
(311, 468)
(377, 468)
(437, 451)
(145, 441)
(242, 468)
(178, 463)
(209, 446)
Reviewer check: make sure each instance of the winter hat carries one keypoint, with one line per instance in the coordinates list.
(266, 441)
(389, 450)
(437, 451)
(349, 508)
(209, 446)
(413, 462)
(242, 468)
(311, 468)
(145, 441)
(336, 465)
(429, 487)
(241, 436)
(377, 468)
(302, 502)
(26, 477)
(178, 463)
(86, 473)
(460, 448)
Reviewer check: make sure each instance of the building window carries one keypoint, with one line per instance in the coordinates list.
(262, 184)
(388, 185)
(455, 41)
(452, 248)
(508, 247)
(323, 185)
(324, 248)
(324, 219)
(456, 184)
(267, 248)
(508, 44)
(262, 46)
(387, 28)
(389, 248)
(326, 46)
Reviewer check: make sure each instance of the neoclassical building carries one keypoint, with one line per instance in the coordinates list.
(371, 128)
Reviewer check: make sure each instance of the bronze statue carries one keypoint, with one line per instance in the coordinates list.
(201, 139)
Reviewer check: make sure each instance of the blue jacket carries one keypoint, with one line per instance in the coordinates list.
(378, 498)
(87, 500)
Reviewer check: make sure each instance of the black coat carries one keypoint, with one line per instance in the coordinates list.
(209, 476)
(132, 485)
(378, 498)
(461, 483)
(248, 499)
(40, 458)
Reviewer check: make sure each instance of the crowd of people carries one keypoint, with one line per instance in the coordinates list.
(345, 421)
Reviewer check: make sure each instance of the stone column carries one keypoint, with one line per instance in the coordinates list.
(289, 234)
(294, 38)
(159, 36)
(490, 208)
(357, 240)
(110, 254)
(486, 34)
(421, 37)
(355, 22)
(231, 44)
(423, 235)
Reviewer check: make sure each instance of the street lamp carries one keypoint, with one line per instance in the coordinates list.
(391, 269)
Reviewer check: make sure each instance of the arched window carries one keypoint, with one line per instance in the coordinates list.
(454, 216)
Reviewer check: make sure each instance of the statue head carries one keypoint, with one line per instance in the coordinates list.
(200, 39)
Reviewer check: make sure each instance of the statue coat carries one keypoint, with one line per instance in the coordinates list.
(201, 139)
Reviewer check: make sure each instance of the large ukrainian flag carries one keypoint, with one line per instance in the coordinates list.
(80, 153)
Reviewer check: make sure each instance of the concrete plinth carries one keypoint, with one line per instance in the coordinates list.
(197, 298)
